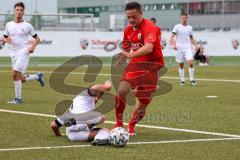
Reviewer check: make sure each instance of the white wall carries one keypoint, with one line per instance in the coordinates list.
(69, 43)
(42, 6)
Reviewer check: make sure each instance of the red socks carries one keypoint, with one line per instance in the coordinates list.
(120, 104)
(136, 117)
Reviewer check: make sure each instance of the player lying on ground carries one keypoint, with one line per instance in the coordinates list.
(184, 39)
(141, 45)
(16, 34)
(84, 130)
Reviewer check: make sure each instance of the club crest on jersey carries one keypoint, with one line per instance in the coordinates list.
(84, 43)
(235, 43)
(139, 36)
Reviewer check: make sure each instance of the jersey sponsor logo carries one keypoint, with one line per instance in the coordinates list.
(136, 46)
(235, 43)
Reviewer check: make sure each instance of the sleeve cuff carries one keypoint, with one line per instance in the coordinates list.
(35, 35)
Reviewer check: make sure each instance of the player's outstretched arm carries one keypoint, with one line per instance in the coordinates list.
(55, 129)
(101, 87)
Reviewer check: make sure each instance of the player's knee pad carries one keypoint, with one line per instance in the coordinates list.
(78, 135)
(102, 134)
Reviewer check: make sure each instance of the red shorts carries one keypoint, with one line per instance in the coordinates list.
(143, 79)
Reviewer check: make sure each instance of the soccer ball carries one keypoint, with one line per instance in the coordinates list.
(118, 137)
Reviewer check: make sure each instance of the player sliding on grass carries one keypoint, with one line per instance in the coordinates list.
(184, 39)
(84, 129)
(16, 34)
(141, 45)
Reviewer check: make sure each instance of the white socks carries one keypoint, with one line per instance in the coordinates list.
(191, 74)
(181, 74)
(18, 85)
(32, 77)
(18, 89)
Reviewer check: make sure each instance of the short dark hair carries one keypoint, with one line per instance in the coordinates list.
(133, 5)
(19, 4)
(184, 14)
(153, 19)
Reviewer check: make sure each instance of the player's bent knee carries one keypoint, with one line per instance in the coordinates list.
(16, 75)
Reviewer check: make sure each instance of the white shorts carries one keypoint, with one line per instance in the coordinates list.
(20, 62)
(73, 135)
(184, 55)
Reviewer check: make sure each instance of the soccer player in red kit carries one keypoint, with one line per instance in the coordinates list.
(141, 45)
(154, 21)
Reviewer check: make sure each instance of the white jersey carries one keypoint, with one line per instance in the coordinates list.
(83, 103)
(19, 34)
(183, 34)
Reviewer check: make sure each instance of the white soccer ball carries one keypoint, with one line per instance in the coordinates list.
(119, 137)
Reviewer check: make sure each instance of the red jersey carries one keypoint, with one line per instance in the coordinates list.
(159, 31)
(135, 39)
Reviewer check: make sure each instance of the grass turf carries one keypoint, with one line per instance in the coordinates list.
(184, 107)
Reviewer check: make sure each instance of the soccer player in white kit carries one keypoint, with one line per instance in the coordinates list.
(17, 35)
(183, 43)
(84, 129)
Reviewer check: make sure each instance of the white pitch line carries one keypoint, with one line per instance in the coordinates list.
(39, 148)
(184, 141)
(205, 79)
(211, 96)
(138, 125)
(164, 77)
(130, 143)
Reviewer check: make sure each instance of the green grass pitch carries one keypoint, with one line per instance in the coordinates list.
(185, 107)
